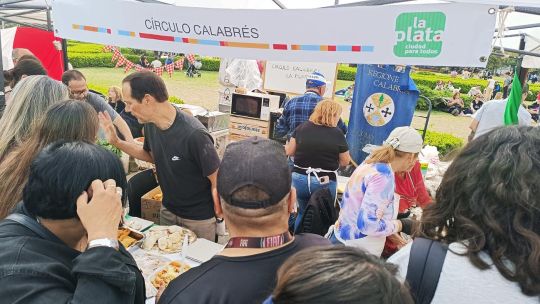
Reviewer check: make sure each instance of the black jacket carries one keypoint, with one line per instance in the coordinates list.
(38, 270)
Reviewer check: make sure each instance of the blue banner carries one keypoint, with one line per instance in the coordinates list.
(384, 99)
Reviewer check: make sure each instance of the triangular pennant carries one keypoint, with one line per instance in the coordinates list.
(121, 61)
(170, 69)
(128, 67)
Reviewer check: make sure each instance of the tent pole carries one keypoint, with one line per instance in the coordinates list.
(523, 72)
(65, 54)
(49, 23)
(279, 4)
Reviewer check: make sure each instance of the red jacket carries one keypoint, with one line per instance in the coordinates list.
(410, 186)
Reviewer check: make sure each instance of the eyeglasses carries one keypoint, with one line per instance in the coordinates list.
(81, 93)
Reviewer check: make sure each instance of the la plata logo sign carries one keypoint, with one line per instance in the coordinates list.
(419, 34)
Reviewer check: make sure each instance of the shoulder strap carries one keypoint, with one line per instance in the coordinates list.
(31, 224)
(425, 264)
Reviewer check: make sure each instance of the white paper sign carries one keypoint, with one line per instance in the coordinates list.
(431, 34)
(290, 77)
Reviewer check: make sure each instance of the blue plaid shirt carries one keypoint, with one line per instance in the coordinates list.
(297, 111)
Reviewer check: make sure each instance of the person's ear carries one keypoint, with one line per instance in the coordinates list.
(217, 203)
(146, 99)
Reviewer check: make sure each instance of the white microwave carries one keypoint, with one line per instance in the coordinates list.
(254, 105)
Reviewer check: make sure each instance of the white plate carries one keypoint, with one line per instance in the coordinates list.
(137, 223)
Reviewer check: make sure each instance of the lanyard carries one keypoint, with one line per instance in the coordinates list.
(259, 242)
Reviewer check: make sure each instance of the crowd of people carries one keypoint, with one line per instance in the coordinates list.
(62, 199)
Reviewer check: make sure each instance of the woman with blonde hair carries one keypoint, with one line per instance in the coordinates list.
(370, 206)
(115, 99)
(319, 149)
(68, 120)
(29, 101)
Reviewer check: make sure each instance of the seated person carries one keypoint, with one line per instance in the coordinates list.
(348, 96)
(455, 105)
(60, 245)
(439, 86)
(476, 104)
(533, 109)
(474, 91)
(338, 274)
(255, 198)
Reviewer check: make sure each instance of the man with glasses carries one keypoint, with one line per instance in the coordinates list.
(78, 89)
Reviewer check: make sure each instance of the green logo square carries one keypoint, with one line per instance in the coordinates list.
(419, 34)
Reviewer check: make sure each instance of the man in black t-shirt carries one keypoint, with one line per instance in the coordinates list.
(255, 198)
(180, 146)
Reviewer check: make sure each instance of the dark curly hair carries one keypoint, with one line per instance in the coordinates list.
(489, 200)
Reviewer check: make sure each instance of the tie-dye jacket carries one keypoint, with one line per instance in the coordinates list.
(367, 207)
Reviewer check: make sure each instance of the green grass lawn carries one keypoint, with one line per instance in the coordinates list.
(201, 91)
(204, 92)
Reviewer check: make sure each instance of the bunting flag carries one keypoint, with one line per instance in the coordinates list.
(170, 69)
(116, 55)
(190, 58)
(121, 60)
(129, 66)
(179, 64)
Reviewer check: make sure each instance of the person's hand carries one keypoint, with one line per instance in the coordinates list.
(101, 216)
(106, 123)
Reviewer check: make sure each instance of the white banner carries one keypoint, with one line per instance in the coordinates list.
(290, 77)
(441, 35)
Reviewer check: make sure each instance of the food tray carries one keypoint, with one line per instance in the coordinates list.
(167, 239)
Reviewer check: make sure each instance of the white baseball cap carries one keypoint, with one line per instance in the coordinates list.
(405, 139)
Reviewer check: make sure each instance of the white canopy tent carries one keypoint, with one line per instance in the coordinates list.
(523, 21)
(36, 13)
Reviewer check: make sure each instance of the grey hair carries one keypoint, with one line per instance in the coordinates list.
(29, 100)
(338, 274)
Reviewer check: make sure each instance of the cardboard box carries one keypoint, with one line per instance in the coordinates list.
(247, 127)
(150, 207)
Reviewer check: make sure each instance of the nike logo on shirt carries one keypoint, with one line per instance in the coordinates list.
(175, 158)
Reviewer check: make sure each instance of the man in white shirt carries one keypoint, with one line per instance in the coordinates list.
(156, 63)
(491, 115)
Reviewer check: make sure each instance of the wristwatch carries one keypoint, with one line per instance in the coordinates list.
(103, 243)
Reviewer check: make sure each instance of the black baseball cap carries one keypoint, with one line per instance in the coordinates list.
(257, 162)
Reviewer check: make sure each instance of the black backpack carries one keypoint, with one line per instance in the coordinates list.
(319, 215)
(424, 270)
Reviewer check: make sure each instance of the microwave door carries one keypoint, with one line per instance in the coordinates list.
(245, 105)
